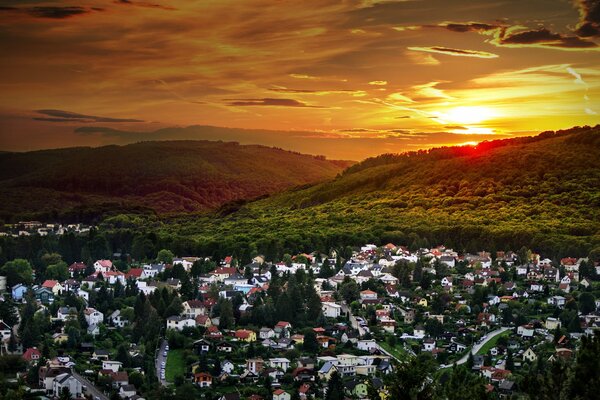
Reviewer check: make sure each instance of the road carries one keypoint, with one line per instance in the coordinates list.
(159, 359)
(478, 346)
(353, 321)
(90, 388)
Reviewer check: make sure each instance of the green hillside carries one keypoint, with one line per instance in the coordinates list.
(542, 192)
(162, 177)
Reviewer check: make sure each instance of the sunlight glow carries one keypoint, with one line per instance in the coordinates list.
(469, 115)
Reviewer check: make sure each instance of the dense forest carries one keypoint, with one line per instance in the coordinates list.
(81, 184)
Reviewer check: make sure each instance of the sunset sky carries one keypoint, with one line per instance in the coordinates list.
(348, 79)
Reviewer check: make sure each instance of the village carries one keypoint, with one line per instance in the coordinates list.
(292, 329)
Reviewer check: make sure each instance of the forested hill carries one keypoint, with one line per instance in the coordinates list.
(161, 177)
(542, 192)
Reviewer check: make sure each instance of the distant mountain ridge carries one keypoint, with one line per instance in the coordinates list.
(162, 177)
(542, 192)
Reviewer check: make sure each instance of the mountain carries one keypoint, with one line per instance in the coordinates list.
(541, 192)
(162, 177)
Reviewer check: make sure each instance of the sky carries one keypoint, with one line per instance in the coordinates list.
(346, 79)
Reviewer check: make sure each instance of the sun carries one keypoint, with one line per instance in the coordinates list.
(468, 114)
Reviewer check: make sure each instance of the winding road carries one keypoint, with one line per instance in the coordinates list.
(478, 346)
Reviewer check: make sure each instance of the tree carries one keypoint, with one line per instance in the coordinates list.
(17, 271)
(412, 380)
(58, 271)
(335, 387)
(510, 363)
(165, 256)
(463, 384)
(349, 290)
(311, 345)
(587, 303)
(226, 318)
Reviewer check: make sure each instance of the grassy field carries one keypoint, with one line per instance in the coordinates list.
(175, 365)
(492, 343)
(397, 351)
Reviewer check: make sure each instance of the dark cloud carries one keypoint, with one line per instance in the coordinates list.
(589, 21)
(545, 37)
(144, 4)
(455, 52)
(469, 27)
(454, 127)
(67, 116)
(269, 102)
(403, 117)
(52, 12)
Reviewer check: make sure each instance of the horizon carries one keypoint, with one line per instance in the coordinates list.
(348, 81)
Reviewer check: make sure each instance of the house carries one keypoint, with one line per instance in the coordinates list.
(93, 316)
(224, 347)
(100, 354)
(203, 379)
(77, 268)
(529, 355)
(368, 295)
(203, 320)
(18, 291)
(66, 313)
(428, 345)
(282, 329)
(179, 323)
(552, 323)
(118, 320)
(67, 381)
(280, 363)
(5, 331)
(227, 366)
(557, 301)
(32, 355)
(103, 266)
(266, 333)
(136, 274)
(54, 286)
(120, 378)
(202, 346)
(127, 391)
(281, 394)
(367, 345)
(193, 308)
(255, 365)
(245, 335)
(326, 371)
(114, 366)
(331, 310)
(526, 331)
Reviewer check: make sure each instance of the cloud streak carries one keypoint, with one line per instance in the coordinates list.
(269, 102)
(67, 116)
(455, 52)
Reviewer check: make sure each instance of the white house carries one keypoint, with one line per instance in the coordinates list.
(66, 380)
(114, 366)
(367, 345)
(281, 394)
(93, 316)
(179, 323)
(331, 310)
(118, 320)
(103, 266)
(525, 331)
(279, 362)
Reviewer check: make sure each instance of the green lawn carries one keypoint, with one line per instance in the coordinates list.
(175, 365)
(397, 351)
(492, 343)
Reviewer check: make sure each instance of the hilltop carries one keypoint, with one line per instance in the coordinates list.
(149, 177)
(542, 192)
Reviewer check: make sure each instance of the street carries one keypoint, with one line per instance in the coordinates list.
(89, 387)
(478, 346)
(159, 360)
